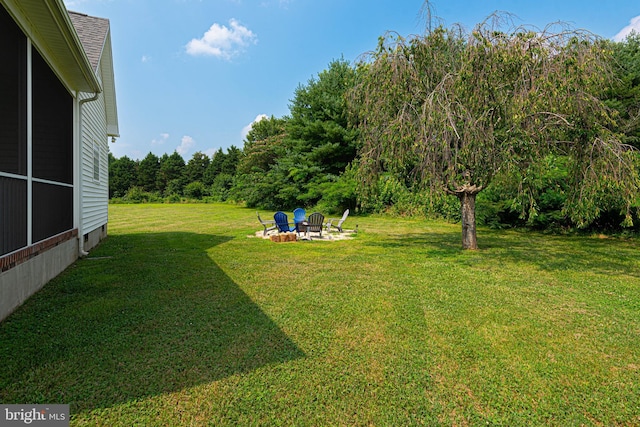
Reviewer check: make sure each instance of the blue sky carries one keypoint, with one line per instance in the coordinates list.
(192, 75)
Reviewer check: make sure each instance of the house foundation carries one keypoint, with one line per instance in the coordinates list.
(25, 272)
(93, 238)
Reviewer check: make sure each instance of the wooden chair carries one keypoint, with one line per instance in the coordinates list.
(338, 225)
(313, 225)
(268, 225)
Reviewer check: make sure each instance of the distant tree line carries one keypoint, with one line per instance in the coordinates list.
(169, 178)
(315, 156)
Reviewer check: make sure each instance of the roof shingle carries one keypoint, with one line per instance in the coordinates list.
(92, 32)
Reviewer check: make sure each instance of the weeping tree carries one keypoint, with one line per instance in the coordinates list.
(453, 109)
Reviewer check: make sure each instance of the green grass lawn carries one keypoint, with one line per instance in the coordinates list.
(179, 318)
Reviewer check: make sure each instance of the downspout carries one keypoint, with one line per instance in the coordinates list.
(81, 251)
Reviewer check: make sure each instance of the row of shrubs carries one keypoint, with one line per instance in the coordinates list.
(497, 207)
(192, 192)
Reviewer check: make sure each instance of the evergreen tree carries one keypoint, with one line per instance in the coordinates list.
(293, 161)
(148, 169)
(230, 161)
(171, 174)
(196, 167)
(215, 167)
(122, 175)
(625, 94)
(318, 130)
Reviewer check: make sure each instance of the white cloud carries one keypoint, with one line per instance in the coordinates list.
(145, 58)
(185, 144)
(634, 25)
(222, 42)
(247, 128)
(163, 138)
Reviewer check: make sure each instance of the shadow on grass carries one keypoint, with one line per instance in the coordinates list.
(548, 252)
(145, 314)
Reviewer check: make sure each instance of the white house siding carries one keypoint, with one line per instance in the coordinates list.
(94, 194)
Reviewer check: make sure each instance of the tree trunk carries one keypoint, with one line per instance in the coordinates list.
(468, 214)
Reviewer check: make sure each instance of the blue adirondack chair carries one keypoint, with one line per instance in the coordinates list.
(299, 215)
(282, 222)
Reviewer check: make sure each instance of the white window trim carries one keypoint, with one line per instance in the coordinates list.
(96, 162)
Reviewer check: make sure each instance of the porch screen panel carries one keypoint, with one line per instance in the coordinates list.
(13, 97)
(13, 135)
(52, 125)
(52, 210)
(52, 153)
(13, 214)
